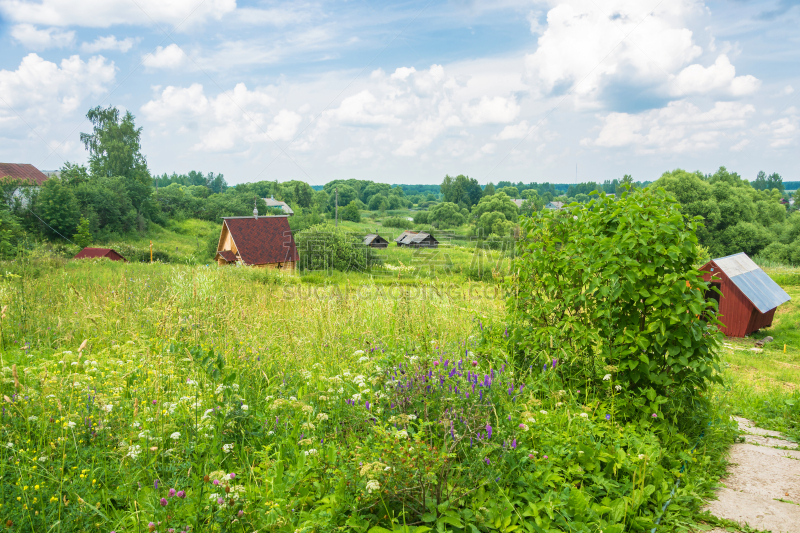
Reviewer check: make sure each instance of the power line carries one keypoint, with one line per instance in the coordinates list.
(48, 225)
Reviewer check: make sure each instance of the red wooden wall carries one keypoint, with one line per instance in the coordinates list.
(739, 316)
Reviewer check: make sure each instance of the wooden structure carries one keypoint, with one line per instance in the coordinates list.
(265, 242)
(749, 297)
(373, 240)
(93, 253)
(554, 205)
(416, 239)
(23, 172)
(283, 206)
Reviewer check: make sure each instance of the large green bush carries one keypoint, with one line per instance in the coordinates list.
(325, 247)
(610, 289)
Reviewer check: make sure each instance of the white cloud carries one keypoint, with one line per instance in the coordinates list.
(514, 131)
(719, 77)
(36, 39)
(104, 13)
(363, 109)
(45, 92)
(677, 128)
(497, 110)
(170, 57)
(109, 42)
(783, 131)
(786, 91)
(232, 121)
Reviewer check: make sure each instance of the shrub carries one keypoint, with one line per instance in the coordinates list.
(421, 217)
(325, 247)
(396, 222)
(350, 212)
(610, 288)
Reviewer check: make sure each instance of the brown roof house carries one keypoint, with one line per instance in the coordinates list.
(22, 172)
(416, 239)
(257, 241)
(93, 253)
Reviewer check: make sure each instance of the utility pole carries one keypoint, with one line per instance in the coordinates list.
(336, 192)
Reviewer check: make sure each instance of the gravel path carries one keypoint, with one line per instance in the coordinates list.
(762, 489)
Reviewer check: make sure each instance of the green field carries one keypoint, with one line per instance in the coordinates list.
(124, 381)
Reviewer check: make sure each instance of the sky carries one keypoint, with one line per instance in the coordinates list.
(409, 91)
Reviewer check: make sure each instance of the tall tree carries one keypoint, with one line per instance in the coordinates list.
(115, 145)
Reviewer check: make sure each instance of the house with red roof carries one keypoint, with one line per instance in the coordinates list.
(22, 172)
(265, 242)
(93, 253)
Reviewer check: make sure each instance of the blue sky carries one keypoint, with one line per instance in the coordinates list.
(406, 92)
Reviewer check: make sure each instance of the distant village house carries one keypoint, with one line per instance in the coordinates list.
(373, 240)
(416, 239)
(272, 202)
(23, 172)
(554, 205)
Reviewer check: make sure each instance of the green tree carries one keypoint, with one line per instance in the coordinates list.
(324, 247)
(350, 212)
(488, 190)
(59, 208)
(83, 237)
(346, 195)
(461, 189)
(115, 145)
(445, 215)
(10, 233)
(495, 214)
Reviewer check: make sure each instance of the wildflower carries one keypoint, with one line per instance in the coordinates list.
(232, 475)
(171, 493)
(402, 434)
(474, 363)
(33, 418)
(641, 456)
(358, 352)
(584, 415)
(488, 461)
(155, 484)
(151, 526)
(545, 457)
(543, 412)
(373, 485)
(608, 417)
(654, 415)
(220, 501)
(322, 416)
(607, 377)
(312, 451)
(70, 424)
(618, 387)
(245, 407)
(514, 444)
(108, 408)
(488, 432)
(523, 427)
(175, 436)
(240, 513)
(181, 494)
(163, 502)
(227, 448)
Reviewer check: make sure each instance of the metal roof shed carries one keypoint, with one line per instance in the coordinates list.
(749, 296)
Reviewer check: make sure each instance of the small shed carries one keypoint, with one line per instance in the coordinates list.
(749, 296)
(265, 242)
(416, 239)
(272, 202)
(92, 253)
(373, 240)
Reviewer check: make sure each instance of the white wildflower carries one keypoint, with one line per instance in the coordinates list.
(175, 436)
(312, 451)
(108, 408)
(134, 451)
(402, 434)
(362, 359)
(245, 407)
(373, 485)
(543, 412)
(227, 448)
(356, 397)
(322, 416)
(607, 377)
(70, 424)
(358, 352)
(618, 387)
(33, 418)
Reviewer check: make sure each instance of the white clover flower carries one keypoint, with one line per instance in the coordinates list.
(33, 418)
(584, 415)
(412, 417)
(362, 359)
(356, 397)
(108, 408)
(607, 377)
(270, 432)
(312, 451)
(402, 434)
(227, 448)
(245, 407)
(71, 424)
(10, 445)
(175, 436)
(618, 387)
(531, 420)
(373, 485)
(322, 416)
(134, 451)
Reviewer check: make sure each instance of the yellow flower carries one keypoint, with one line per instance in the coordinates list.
(36, 487)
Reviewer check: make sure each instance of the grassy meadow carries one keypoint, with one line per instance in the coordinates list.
(175, 398)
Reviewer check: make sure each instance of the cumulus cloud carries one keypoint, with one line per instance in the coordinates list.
(104, 13)
(719, 77)
(679, 127)
(44, 91)
(37, 39)
(514, 131)
(497, 110)
(109, 42)
(169, 57)
(232, 121)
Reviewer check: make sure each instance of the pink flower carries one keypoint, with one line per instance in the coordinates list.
(171, 493)
(436, 363)
(163, 502)
(181, 494)
(474, 363)
(216, 482)
(232, 475)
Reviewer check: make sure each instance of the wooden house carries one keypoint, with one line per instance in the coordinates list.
(92, 253)
(257, 241)
(416, 239)
(554, 205)
(283, 206)
(749, 296)
(373, 240)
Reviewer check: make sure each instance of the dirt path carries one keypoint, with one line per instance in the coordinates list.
(762, 489)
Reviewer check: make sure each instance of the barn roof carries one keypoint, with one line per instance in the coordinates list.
(756, 285)
(22, 171)
(371, 237)
(262, 240)
(410, 236)
(90, 253)
(227, 255)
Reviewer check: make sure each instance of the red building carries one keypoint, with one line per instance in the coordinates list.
(23, 172)
(749, 297)
(90, 253)
(265, 242)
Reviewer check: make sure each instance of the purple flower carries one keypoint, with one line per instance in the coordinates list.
(240, 513)
(474, 363)
(163, 502)
(488, 431)
(220, 501)
(555, 361)
(608, 417)
(181, 494)
(155, 402)
(514, 444)
(155, 484)
(232, 475)
(544, 369)
(171, 493)
(488, 461)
